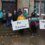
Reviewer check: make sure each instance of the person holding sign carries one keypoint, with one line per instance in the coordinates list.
(21, 17)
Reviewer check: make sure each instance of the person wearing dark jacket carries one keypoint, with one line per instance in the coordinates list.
(33, 27)
(9, 18)
(33, 14)
(15, 15)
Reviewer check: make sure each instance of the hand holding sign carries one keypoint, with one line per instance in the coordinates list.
(20, 24)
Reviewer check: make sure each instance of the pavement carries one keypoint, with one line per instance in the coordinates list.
(22, 40)
(7, 37)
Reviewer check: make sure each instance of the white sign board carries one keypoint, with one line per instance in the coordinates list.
(42, 24)
(20, 24)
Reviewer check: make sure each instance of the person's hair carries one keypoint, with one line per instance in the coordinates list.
(19, 12)
(19, 9)
(33, 14)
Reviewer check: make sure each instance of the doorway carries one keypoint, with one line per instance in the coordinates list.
(9, 5)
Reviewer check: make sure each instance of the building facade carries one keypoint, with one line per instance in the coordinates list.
(38, 5)
(26, 4)
(20, 4)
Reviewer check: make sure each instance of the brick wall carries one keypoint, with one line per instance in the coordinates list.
(0, 4)
(19, 2)
(26, 3)
(31, 6)
(23, 3)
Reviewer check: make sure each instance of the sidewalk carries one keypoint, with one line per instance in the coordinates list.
(22, 40)
(8, 38)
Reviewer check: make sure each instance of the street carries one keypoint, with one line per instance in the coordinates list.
(22, 40)
(7, 37)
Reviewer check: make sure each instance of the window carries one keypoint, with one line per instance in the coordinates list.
(43, 7)
(37, 7)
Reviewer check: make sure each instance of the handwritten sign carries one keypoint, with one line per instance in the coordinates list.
(20, 24)
(42, 24)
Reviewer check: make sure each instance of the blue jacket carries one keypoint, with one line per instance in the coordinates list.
(1, 14)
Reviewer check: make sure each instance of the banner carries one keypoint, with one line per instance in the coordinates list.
(42, 24)
(20, 24)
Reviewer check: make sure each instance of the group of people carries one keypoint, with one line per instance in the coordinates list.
(6, 18)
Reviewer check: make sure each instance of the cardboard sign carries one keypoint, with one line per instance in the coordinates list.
(42, 24)
(20, 24)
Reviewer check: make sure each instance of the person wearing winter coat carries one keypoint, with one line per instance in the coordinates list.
(21, 17)
(33, 27)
